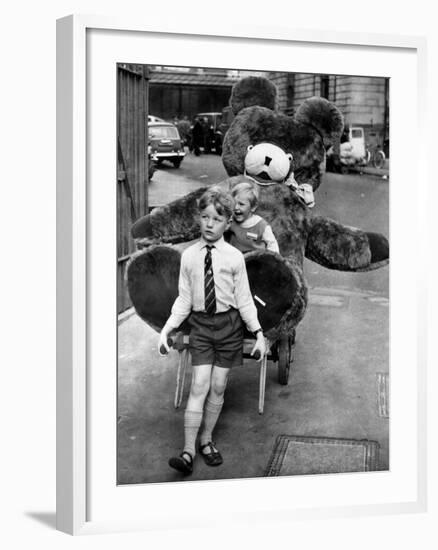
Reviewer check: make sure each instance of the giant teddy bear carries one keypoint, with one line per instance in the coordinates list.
(277, 280)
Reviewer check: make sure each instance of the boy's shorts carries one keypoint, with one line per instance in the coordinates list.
(216, 339)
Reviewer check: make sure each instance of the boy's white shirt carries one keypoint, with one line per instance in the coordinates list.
(234, 293)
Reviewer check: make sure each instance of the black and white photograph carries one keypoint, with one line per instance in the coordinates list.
(252, 273)
(265, 165)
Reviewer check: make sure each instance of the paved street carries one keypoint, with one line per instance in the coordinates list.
(169, 183)
(341, 354)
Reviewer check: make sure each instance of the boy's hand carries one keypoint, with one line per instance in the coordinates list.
(163, 345)
(259, 349)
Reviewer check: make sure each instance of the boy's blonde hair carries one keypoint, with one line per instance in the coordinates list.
(222, 201)
(247, 188)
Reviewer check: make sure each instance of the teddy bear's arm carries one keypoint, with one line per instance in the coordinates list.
(177, 221)
(337, 246)
(174, 222)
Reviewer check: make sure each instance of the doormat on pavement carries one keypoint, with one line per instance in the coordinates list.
(297, 455)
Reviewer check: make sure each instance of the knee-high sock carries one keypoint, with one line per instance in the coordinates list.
(192, 422)
(212, 411)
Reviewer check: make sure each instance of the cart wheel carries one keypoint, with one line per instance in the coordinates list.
(283, 360)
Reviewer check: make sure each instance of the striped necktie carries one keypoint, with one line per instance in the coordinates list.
(210, 294)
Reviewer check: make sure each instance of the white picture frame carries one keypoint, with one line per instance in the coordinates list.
(83, 351)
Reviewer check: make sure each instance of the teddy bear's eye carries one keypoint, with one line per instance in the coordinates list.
(268, 161)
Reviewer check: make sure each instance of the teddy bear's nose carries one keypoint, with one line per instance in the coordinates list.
(267, 161)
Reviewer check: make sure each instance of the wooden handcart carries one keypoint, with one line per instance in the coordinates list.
(152, 276)
(281, 352)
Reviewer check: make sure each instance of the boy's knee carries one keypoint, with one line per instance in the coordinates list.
(218, 387)
(200, 388)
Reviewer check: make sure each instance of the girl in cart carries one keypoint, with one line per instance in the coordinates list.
(249, 231)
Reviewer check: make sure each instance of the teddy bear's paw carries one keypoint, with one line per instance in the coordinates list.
(152, 277)
(274, 286)
(379, 247)
(345, 248)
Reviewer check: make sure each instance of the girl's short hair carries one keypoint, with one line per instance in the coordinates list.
(249, 189)
(222, 201)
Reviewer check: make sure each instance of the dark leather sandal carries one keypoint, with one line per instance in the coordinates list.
(213, 458)
(181, 463)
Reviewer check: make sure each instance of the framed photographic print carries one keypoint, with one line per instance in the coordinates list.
(331, 421)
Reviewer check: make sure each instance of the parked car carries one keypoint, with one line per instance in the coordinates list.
(152, 118)
(353, 151)
(165, 143)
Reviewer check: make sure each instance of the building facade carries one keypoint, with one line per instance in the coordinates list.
(364, 101)
(186, 91)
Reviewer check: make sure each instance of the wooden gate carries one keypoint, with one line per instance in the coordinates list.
(132, 164)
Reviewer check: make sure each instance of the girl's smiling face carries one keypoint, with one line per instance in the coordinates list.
(242, 207)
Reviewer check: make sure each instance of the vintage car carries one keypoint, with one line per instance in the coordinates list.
(355, 152)
(165, 143)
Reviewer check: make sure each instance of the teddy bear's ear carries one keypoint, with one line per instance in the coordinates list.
(253, 90)
(323, 115)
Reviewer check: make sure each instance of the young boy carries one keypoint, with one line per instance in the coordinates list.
(249, 231)
(214, 293)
